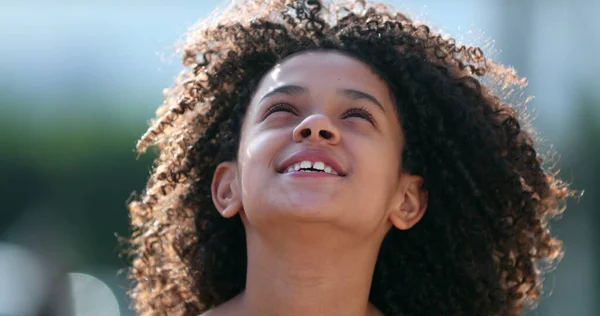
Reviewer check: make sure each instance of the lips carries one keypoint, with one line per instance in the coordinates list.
(313, 157)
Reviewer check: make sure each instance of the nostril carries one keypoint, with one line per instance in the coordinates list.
(325, 134)
(305, 132)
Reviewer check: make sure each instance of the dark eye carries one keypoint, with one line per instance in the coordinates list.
(281, 107)
(360, 113)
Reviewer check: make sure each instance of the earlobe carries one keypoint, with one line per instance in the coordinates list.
(412, 202)
(224, 189)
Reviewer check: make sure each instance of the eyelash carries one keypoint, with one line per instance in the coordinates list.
(360, 112)
(279, 107)
(353, 112)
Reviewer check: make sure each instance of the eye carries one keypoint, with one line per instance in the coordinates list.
(360, 113)
(281, 107)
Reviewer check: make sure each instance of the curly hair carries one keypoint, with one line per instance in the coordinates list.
(484, 242)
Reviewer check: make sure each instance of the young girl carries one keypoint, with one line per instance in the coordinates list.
(330, 159)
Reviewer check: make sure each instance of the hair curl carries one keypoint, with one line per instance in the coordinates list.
(479, 248)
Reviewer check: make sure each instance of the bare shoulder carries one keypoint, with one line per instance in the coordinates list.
(217, 311)
(229, 308)
(211, 312)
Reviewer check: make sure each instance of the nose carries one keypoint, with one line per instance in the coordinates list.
(317, 128)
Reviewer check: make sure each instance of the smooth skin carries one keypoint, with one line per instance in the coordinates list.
(313, 239)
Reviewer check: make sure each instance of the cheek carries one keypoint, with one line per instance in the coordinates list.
(379, 154)
(380, 163)
(258, 149)
(256, 159)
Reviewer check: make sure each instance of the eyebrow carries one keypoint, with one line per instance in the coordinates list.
(286, 89)
(359, 95)
(349, 93)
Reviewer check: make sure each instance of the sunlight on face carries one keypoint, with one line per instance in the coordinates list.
(321, 142)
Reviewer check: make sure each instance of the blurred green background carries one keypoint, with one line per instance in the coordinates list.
(80, 80)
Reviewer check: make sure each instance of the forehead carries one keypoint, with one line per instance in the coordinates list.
(323, 69)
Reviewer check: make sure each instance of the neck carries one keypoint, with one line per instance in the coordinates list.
(302, 271)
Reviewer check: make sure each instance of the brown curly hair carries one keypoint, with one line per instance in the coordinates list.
(484, 241)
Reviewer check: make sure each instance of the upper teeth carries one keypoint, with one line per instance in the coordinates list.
(318, 165)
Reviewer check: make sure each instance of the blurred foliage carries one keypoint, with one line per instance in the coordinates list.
(77, 173)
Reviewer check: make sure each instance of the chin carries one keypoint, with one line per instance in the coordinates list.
(300, 210)
(310, 213)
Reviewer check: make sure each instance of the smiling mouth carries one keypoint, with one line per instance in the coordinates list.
(308, 166)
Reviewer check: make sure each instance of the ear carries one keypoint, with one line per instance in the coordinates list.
(410, 203)
(225, 191)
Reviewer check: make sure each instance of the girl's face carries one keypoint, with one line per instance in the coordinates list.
(321, 142)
